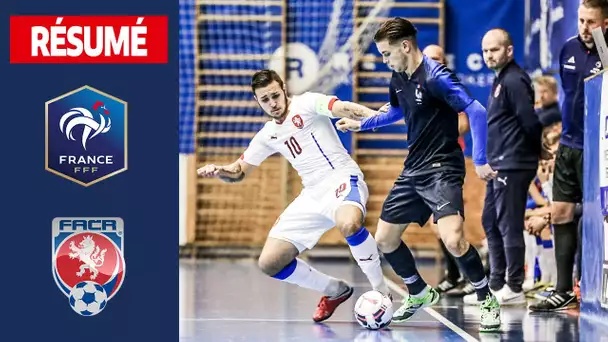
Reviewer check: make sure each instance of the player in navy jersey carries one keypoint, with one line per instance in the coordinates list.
(429, 96)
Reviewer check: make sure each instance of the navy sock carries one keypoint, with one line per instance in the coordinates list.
(566, 241)
(471, 265)
(404, 265)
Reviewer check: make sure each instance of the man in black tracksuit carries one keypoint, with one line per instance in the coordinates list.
(514, 146)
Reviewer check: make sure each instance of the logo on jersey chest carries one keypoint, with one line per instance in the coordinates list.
(418, 94)
(297, 121)
(598, 68)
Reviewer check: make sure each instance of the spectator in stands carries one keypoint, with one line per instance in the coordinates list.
(538, 235)
(578, 59)
(545, 90)
(514, 147)
(538, 220)
(453, 284)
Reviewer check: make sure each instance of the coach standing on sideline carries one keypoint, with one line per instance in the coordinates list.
(514, 146)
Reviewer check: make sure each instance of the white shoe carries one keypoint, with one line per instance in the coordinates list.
(506, 296)
(527, 285)
(471, 299)
(490, 315)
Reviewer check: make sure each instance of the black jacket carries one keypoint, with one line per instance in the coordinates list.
(514, 130)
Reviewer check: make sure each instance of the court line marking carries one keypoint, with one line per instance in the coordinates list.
(245, 319)
(393, 286)
(281, 320)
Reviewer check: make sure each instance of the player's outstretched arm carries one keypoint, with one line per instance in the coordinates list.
(232, 173)
(384, 117)
(351, 110)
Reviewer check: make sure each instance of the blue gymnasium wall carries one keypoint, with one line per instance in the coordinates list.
(233, 37)
(467, 22)
(594, 281)
(550, 24)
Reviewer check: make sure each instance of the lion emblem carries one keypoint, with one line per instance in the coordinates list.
(297, 121)
(88, 253)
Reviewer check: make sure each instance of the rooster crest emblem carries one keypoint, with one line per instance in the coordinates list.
(89, 254)
(83, 117)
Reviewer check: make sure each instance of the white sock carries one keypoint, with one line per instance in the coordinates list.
(300, 273)
(365, 251)
(549, 272)
(530, 241)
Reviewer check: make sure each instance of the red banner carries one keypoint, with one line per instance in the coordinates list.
(89, 39)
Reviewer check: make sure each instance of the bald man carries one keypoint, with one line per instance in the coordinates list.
(435, 52)
(514, 147)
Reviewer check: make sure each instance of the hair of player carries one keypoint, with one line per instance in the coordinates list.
(598, 4)
(263, 78)
(547, 81)
(395, 30)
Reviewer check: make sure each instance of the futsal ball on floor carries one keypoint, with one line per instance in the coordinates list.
(88, 298)
(374, 310)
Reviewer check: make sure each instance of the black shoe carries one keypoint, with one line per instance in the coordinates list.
(446, 285)
(464, 288)
(555, 302)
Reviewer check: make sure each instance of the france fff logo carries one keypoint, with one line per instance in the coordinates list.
(86, 136)
(88, 260)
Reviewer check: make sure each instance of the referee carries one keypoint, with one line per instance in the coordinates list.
(514, 146)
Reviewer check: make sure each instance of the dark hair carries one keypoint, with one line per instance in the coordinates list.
(599, 4)
(263, 78)
(396, 29)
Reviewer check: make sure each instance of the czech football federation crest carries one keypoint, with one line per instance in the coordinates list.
(86, 136)
(88, 260)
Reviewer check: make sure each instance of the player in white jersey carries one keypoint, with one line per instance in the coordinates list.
(334, 192)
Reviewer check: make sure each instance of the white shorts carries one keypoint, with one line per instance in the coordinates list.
(313, 212)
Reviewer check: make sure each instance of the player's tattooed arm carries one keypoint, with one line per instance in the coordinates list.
(232, 173)
(351, 110)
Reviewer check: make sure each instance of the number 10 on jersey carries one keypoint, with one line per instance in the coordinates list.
(293, 146)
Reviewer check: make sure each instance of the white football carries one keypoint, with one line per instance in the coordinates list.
(88, 298)
(374, 310)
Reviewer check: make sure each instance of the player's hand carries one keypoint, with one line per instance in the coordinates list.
(485, 172)
(210, 170)
(536, 224)
(345, 124)
(384, 109)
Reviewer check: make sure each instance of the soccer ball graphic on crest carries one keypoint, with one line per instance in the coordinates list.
(88, 298)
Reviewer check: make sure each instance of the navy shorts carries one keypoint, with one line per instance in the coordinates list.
(415, 198)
